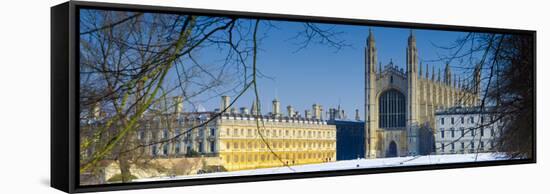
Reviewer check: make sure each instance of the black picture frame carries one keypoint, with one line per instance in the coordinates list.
(64, 96)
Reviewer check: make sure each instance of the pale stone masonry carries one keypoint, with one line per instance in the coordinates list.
(235, 140)
(466, 130)
(398, 103)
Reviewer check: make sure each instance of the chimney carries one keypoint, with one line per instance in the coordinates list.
(244, 111)
(276, 108)
(290, 111)
(225, 103)
(357, 118)
(320, 112)
(307, 114)
(331, 114)
(178, 104)
(316, 111)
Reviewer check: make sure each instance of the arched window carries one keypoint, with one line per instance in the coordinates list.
(391, 109)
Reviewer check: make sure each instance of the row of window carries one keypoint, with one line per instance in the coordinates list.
(178, 149)
(276, 145)
(154, 123)
(471, 131)
(452, 120)
(178, 132)
(141, 135)
(470, 120)
(278, 133)
(472, 146)
(271, 157)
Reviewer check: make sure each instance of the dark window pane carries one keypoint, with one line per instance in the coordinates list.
(391, 109)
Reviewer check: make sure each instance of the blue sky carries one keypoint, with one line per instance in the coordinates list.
(320, 73)
(327, 76)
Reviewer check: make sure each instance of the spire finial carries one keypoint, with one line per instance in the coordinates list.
(433, 72)
(454, 81)
(371, 35)
(420, 71)
(427, 71)
(380, 68)
(411, 36)
(447, 76)
(439, 74)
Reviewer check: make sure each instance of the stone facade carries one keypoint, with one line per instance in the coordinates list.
(291, 141)
(175, 142)
(233, 137)
(399, 103)
(466, 130)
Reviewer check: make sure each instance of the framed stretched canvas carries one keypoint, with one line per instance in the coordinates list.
(146, 96)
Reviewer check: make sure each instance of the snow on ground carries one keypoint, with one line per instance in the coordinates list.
(348, 164)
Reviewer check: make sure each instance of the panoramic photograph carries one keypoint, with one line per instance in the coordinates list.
(173, 97)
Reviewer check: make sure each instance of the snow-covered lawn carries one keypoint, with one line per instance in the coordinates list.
(348, 164)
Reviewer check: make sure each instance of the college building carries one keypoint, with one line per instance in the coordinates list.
(400, 104)
(241, 139)
(462, 130)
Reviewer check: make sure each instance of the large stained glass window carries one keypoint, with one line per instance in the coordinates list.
(392, 109)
